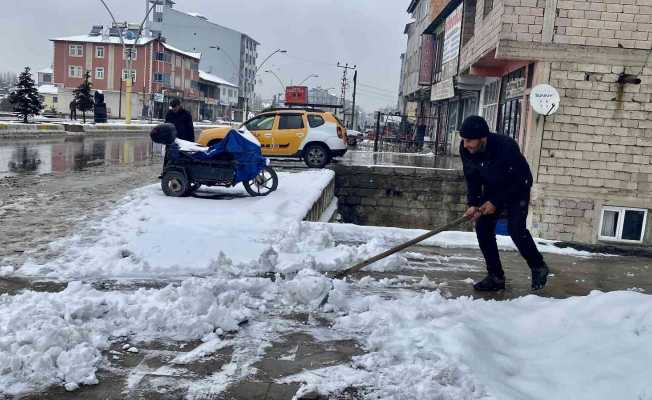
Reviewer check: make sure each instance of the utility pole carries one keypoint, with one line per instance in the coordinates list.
(345, 83)
(355, 88)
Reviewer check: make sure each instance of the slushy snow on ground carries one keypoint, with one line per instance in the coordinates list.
(419, 344)
(425, 346)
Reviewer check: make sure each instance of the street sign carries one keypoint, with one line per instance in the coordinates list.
(544, 99)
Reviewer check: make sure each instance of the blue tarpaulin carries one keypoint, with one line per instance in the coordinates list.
(248, 158)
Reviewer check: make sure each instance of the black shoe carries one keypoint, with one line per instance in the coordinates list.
(540, 277)
(491, 283)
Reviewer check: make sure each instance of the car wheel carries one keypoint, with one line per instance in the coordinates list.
(174, 184)
(316, 155)
(263, 184)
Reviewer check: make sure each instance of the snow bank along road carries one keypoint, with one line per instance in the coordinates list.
(417, 344)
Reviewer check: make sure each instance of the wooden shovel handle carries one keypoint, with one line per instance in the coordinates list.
(359, 266)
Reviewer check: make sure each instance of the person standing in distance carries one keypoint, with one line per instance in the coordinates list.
(182, 120)
(499, 181)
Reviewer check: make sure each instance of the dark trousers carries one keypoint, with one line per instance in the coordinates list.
(485, 228)
(73, 115)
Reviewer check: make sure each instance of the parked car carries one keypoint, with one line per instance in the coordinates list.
(315, 136)
(354, 137)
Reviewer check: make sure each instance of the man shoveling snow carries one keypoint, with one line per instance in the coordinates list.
(498, 180)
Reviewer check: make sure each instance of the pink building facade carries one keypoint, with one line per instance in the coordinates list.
(159, 72)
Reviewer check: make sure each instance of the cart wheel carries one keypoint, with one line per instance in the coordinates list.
(174, 184)
(265, 183)
(193, 187)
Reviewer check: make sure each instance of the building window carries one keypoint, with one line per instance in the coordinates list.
(55, 99)
(623, 224)
(158, 16)
(125, 74)
(512, 90)
(488, 6)
(162, 78)
(489, 109)
(131, 54)
(74, 71)
(99, 73)
(99, 52)
(438, 53)
(469, 21)
(76, 50)
(165, 57)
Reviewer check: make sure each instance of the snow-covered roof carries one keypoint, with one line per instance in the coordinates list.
(215, 79)
(196, 56)
(102, 39)
(48, 89)
(46, 71)
(198, 15)
(116, 40)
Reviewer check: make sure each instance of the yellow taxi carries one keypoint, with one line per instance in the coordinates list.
(316, 136)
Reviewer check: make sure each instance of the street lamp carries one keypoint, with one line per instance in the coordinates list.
(277, 77)
(246, 110)
(308, 77)
(235, 68)
(130, 55)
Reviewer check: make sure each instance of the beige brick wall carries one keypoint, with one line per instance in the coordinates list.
(625, 23)
(523, 20)
(598, 147)
(565, 218)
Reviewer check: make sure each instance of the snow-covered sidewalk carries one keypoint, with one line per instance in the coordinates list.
(418, 342)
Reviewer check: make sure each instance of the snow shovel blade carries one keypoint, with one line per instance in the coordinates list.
(396, 249)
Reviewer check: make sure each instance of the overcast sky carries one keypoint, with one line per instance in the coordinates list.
(316, 33)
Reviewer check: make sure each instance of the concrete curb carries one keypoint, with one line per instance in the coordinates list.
(35, 131)
(14, 131)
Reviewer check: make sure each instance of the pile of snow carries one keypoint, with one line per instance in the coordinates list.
(58, 338)
(152, 235)
(424, 346)
(450, 239)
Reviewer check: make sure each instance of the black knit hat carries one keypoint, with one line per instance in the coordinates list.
(474, 127)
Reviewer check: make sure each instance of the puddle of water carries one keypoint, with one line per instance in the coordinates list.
(72, 154)
(400, 160)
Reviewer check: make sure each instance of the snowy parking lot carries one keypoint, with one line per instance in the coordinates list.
(233, 272)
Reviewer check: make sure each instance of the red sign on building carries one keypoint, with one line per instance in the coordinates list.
(427, 59)
(296, 95)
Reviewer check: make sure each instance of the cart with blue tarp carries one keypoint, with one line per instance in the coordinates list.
(187, 166)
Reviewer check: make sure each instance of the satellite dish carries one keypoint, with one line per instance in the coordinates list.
(544, 99)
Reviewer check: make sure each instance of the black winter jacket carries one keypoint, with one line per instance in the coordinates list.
(500, 174)
(182, 120)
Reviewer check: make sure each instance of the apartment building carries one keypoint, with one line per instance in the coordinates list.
(226, 52)
(159, 71)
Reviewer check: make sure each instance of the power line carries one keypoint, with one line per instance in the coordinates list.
(377, 88)
(326, 63)
(363, 93)
(378, 92)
